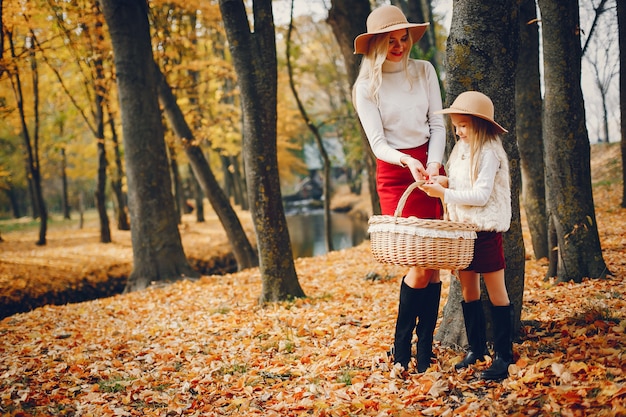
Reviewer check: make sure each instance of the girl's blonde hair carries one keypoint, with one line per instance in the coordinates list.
(480, 132)
(372, 65)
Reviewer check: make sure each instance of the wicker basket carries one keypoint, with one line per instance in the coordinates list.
(428, 243)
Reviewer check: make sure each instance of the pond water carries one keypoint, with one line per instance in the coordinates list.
(306, 231)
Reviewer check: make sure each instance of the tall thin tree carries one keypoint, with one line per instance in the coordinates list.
(31, 141)
(157, 248)
(569, 194)
(254, 58)
(621, 24)
(528, 106)
(92, 33)
(243, 251)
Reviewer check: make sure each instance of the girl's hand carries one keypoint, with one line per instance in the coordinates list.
(441, 179)
(434, 187)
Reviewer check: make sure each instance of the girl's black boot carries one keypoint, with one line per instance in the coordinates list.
(502, 343)
(474, 318)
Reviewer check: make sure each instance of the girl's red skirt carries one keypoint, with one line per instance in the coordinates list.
(391, 182)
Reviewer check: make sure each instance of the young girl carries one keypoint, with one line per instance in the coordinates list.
(478, 191)
(396, 99)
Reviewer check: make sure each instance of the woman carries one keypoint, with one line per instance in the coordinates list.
(396, 99)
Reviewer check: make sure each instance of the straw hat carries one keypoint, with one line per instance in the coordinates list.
(475, 104)
(387, 19)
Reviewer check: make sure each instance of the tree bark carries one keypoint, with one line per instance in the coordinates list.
(100, 94)
(99, 195)
(621, 24)
(347, 19)
(36, 171)
(528, 106)
(482, 55)
(243, 251)
(198, 194)
(65, 202)
(157, 249)
(64, 193)
(567, 150)
(31, 149)
(254, 58)
(178, 187)
(116, 180)
(12, 195)
(239, 181)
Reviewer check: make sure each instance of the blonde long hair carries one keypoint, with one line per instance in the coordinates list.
(481, 132)
(372, 65)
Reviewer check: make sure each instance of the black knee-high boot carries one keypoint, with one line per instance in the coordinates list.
(426, 325)
(502, 343)
(408, 309)
(474, 318)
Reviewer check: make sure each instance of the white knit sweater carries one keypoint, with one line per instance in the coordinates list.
(405, 116)
(487, 202)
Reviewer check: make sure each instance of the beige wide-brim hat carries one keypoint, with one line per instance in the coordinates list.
(476, 104)
(387, 19)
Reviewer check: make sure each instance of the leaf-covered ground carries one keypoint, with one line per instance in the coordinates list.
(207, 348)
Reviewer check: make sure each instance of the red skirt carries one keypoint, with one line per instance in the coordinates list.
(488, 253)
(393, 180)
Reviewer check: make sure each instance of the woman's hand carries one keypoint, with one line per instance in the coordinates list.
(432, 169)
(416, 168)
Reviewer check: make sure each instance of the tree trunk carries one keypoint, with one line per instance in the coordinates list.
(567, 150)
(239, 182)
(243, 251)
(528, 128)
(178, 188)
(198, 195)
(482, 55)
(31, 150)
(65, 201)
(157, 249)
(254, 58)
(229, 185)
(64, 194)
(13, 199)
(31, 188)
(452, 329)
(347, 19)
(81, 210)
(100, 197)
(116, 180)
(100, 94)
(621, 24)
(36, 171)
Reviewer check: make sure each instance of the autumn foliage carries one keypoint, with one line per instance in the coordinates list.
(206, 348)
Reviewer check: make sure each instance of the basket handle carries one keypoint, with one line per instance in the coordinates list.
(405, 197)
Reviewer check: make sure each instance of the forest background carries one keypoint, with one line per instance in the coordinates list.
(99, 114)
(68, 116)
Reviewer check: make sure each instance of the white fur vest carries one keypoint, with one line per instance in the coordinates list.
(495, 215)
